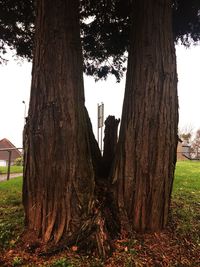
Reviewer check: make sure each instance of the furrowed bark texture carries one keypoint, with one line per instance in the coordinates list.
(110, 144)
(58, 183)
(144, 166)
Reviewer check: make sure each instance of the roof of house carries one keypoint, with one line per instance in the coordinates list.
(5, 143)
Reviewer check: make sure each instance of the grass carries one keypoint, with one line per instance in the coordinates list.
(186, 199)
(13, 169)
(11, 212)
(187, 179)
(181, 241)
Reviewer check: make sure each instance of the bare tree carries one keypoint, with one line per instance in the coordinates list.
(196, 145)
(186, 133)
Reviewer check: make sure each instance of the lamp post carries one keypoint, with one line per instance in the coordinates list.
(100, 122)
(24, 111)
(24, 126)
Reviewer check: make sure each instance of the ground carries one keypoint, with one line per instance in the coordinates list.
(178, 245)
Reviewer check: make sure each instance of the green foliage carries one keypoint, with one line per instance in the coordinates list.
(5, 233)
(17, 261)
(13, 169)
(62, 262)
(18, 161)
(10, 227)
(105, 35)
(11, 212)
(186, 137)
(17, 27)
(186, 21)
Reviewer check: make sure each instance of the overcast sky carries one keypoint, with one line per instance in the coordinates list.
(15, 82)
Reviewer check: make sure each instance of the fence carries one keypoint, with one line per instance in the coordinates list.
(9, 150)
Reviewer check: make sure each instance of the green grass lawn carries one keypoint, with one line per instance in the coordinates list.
(185, 219)
(13, 169)
(187, 179)
(11, 212)
(186, 198)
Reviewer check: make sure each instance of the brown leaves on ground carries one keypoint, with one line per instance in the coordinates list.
(166, 248)
(158, 249)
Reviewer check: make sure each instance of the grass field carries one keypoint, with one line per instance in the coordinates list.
(186, 198)
(11, 212)
(13, 169)
(179, 245)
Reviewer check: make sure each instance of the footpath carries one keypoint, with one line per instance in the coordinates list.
(3, 177)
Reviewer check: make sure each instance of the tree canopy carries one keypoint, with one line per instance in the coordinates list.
(17, 27)
(105, 27)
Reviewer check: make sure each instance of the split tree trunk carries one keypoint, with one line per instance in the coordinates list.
(110, 144)
(61, 158)
(58, 187)
(144, 166)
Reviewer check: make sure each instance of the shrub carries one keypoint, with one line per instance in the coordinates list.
(18, 161)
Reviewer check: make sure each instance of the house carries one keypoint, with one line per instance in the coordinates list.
(4, 155)
(183, 150)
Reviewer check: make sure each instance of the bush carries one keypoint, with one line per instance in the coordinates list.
(18, 161)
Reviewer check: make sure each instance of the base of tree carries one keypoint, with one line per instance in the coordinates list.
(95, 236)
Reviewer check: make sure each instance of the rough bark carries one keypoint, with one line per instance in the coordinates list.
(110, 144)
(59, 178)
(144, 166)
(65, 201)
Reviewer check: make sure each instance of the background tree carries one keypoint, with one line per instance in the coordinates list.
(186, 133)
(196, 144)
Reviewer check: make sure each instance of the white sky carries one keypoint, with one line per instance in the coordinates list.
(15, 82)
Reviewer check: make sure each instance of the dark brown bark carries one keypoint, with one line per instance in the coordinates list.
(110, 144)
(59, 178)
(64, 199)
(144, 165)
(94, 148)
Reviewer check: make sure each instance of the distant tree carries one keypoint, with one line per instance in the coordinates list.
(18, 161)
(196, 144)
(186, 133)
(186, 137)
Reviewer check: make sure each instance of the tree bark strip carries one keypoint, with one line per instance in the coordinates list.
(110, 144)
(145, 161)
(58, 187)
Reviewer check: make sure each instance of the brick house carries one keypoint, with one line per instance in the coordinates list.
(4, 155)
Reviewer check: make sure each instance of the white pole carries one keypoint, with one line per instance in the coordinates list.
(24, 111)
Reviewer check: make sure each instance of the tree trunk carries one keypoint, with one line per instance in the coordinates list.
(59, 178)
(110, 144)
(61, 199)
(146, 154)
